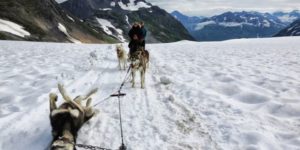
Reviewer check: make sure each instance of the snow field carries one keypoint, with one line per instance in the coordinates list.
(237, 94)
(247, 90)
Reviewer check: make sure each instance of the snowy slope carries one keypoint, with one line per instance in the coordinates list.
(107, 27)
(63, 29)
(13, 28)
(292, 30)
(232, 95)
(45, 20)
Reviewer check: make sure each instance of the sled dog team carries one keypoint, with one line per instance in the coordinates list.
(139, 61)
(67, 118)
(138, 55)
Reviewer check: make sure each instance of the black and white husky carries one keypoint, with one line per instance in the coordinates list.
(67, 119)
(139, 62)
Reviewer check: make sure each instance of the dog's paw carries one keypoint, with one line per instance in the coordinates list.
(53, 96)
(89, 112)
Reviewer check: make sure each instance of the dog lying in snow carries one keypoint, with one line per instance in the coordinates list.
(67, 119)
(139, 62)
(122, 56)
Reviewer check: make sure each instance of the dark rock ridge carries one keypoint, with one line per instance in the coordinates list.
(161, 26)
(45, 21)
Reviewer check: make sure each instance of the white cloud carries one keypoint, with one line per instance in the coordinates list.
(212, 7)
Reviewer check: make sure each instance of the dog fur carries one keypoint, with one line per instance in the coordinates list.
(139, 62)
(122, 56)
(68, 118)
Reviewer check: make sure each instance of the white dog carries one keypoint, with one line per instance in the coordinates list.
(122, 56)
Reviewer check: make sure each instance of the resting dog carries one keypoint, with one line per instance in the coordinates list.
(122, 56)
(68, 118)
(139, 62)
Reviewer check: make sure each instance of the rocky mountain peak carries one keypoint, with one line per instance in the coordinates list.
(115, 18)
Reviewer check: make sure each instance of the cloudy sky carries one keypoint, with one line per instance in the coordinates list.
(212, 7)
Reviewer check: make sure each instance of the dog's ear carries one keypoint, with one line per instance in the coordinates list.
(53, 99)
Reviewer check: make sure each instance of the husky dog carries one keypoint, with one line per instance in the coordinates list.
(139, 62)
(122, 56)
(68, 118)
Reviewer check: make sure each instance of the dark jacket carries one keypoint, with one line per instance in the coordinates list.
(134, 45)
(143, 33)
(140, 42)
(134, 31)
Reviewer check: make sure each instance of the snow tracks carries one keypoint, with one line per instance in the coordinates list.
(239, 94)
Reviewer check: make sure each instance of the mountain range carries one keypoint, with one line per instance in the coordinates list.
(108, 21)
(88, 21)
(232, 25)
(116, 17)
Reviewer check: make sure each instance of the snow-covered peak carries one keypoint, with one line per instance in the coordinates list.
(251, 18)
(287, 17)
(133, 5)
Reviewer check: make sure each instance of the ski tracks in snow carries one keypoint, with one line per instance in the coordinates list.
(183, 122)
(149, 116)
